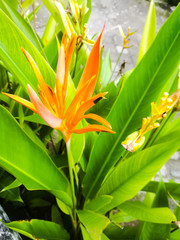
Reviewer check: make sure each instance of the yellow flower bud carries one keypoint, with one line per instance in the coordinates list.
(133, 142)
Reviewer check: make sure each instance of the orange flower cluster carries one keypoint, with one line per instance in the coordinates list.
(51, 104)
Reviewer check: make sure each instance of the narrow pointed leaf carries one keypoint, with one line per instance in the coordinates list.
(149, 33)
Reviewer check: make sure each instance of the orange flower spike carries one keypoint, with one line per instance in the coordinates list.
(43, 111)
(92, 66)
(44, 88)
(65, 55)
(52, 106)
(21, 100)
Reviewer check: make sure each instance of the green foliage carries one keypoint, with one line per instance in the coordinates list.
(131, 106)
(82, 187)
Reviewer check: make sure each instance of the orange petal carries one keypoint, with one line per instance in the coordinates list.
(22, 101)
(92, 66)
(83, 108)
(43, 85)
(93, 127)
(46, 115)
(60, 76)
(77, 99)
(69, 52)
(98, 119)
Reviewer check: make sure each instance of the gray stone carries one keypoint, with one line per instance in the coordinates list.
(6, 233)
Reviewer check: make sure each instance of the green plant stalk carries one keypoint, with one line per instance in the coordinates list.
(117, 63)
(71, 176)
(156, 133)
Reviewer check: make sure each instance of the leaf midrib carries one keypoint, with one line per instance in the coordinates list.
(24, 173)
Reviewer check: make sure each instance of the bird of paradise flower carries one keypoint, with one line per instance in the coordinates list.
(51, 104)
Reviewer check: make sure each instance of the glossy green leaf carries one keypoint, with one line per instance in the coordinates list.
(154, 231)
(175, 235)
(31, 134)
(131, 175)
(106, 71)
(140, 211)
(14, 3)
(133, 103)
(16, 157)
(39, 229)
(85, 233)
(121, 217)
(173, 189)
(15, 60)
(25, 28)
(97, 204)
(115, 232)
(93, 222)
(149, 33)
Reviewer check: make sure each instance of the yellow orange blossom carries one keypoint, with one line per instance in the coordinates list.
(51, 104)
(125, 38)
(135, 140)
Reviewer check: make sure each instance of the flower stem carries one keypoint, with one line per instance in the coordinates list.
(72, 174)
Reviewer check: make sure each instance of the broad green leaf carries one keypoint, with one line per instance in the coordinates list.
(133, 103)
(33, 136)
(64, 208)
(106, 71)
(34, 118)
(14, 3)
(29, 163)
(131, 175)
(103, 107)
(15, 60)
(25, 28)
(140, 211)
(97, 203)
(154, 231)
(39, 229)
(93, 222)
(173, 189)
(175, 235)
(149, 33)
(113, 232)
(121, 217)
(85, 233)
